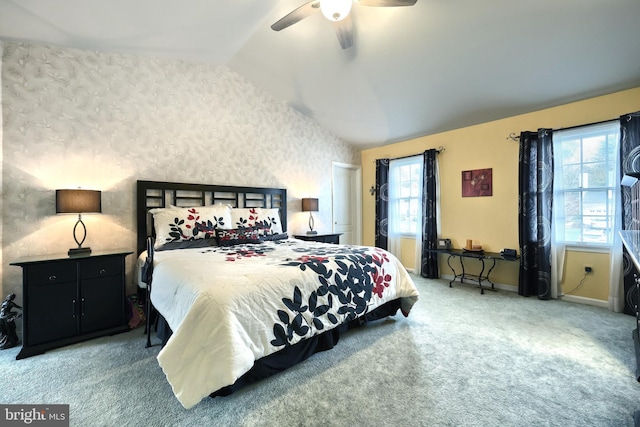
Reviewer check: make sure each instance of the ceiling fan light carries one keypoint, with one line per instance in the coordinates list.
(335, 10)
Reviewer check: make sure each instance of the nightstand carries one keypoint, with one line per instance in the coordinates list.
(66, 300)
(322, 238)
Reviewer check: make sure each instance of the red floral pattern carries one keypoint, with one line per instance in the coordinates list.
(380, 282)
(243, 253)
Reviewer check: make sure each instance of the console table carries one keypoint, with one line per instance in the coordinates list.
(481, 256)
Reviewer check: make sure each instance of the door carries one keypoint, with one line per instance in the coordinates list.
(347, 202)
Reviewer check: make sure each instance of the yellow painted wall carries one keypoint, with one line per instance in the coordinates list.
(595, 284)
(407, 252)
(493, 221)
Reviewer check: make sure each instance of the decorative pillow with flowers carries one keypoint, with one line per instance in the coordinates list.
(271, 221)
(237, 236)
(245, 217)
(176, 224)
(265, 220)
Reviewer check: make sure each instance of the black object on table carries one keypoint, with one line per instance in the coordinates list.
(481, 256)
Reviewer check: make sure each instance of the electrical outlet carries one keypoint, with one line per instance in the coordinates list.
(588, 269)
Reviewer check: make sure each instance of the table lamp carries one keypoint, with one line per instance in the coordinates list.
(79, 201)
(310, 205)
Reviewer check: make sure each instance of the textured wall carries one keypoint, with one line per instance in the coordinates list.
(101, 121)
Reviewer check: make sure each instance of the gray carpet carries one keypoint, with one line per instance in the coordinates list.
(460, 359)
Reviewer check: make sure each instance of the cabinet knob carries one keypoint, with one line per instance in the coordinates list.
(102, 271)
(52, 278)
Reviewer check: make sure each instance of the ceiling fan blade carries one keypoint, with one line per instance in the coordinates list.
(297, 15)
(386, 3)
(344, 31)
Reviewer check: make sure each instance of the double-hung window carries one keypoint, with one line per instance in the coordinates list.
(585, 175)
(405, 195)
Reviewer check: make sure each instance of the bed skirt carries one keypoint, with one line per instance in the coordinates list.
(296, 353)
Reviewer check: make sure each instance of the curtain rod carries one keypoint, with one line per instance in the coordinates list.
(438, 151)
(512, 136)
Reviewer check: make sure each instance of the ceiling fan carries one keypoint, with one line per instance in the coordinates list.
(336, 11)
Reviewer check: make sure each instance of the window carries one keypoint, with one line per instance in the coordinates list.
(585, 178)
(405, 195)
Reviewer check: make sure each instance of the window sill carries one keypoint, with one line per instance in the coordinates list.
(587, 248)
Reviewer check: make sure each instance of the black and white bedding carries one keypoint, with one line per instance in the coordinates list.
(231, 305)
(239, 295)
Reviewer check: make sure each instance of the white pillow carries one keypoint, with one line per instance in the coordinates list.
(266, 221)
(175, 224)
(245, 217)
(272, 216)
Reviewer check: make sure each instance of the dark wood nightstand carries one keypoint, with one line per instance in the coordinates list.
(67, 300)
(322, 238)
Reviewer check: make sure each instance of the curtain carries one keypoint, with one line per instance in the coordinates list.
(430, 214)
(393, 235)
(535, 189)
(382, 203)
(622, 265)
(616, 276)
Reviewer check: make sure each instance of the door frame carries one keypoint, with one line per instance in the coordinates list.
(357, 170)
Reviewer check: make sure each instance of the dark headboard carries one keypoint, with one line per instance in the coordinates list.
(155, 194)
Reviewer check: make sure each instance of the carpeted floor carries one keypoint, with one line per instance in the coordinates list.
(459, 359)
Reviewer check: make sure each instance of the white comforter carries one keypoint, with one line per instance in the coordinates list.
(229, 306)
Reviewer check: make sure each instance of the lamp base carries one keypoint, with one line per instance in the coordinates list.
(76, 252)
(312, 232)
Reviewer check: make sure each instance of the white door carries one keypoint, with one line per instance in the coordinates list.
(347, 202)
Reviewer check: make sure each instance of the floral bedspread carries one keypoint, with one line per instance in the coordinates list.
(229, 306)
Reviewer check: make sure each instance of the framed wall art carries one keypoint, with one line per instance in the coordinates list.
(477, 183)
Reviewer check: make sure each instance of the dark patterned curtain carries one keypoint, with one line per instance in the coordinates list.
(535, 189)
(629, 163)
(382, 203)
(429, 267)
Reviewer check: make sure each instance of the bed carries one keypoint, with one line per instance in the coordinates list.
(239, 299)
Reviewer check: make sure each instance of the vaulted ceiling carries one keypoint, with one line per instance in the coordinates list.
(412, 71)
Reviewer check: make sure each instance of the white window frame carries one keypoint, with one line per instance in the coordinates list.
(590, 222)
(395, 198)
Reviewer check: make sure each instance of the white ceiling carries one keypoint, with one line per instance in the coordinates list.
(413, 71)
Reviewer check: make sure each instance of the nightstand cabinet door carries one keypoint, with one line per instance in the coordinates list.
(52, 301)
(321, 238)
(332, 238)
(101, 295)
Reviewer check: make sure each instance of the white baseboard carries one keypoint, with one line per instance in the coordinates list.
(568, 298)
(584, 300)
